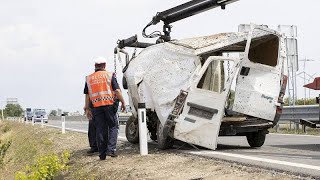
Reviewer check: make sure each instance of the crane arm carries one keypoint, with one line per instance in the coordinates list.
(189, 9)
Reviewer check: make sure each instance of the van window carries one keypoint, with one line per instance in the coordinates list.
(264, 50)
(213, 78)
(216, 76)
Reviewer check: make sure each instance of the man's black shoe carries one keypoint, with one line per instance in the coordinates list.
(112, 154)
(92, 152)
(102, 157)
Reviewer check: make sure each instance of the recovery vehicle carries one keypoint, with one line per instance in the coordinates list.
(196, 89)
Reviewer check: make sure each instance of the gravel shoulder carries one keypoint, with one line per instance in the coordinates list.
(128, 165)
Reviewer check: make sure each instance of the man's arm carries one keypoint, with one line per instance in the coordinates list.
(118, 92)
(86, 107)
(87, 103)
(120, 97)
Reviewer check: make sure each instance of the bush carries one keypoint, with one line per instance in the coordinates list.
(311, 101)
(3, 151)
(45, 167)
(13, 110)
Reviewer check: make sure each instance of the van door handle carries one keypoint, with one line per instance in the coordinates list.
(244, 71)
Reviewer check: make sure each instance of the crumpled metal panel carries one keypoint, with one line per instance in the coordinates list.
(157, 75)
(222, 39)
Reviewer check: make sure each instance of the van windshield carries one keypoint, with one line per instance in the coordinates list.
(39, 113)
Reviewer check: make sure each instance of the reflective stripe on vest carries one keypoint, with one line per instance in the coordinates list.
(100, 88)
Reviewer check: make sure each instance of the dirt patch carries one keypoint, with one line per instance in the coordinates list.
(166, 165)
(33, 141)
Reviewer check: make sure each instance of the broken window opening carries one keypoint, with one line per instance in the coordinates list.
(216, 76)
(264, 50)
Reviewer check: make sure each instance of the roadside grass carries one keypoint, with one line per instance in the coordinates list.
(31, 145)
(286, 129)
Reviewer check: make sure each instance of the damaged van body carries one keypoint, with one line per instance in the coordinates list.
(229, 84)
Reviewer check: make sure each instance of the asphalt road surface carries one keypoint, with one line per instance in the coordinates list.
(299, 154)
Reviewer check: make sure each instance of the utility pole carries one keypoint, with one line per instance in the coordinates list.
(304, 77)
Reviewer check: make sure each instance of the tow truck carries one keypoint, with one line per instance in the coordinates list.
(199, 88)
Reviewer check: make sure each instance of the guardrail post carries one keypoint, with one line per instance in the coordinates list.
(290, 126)
(277, 127)
(143, 140)
(296, 128)
(42, 121)
(63, 124)
(304, 129)
(32, 120)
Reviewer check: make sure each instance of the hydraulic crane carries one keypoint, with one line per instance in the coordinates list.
(172, 15)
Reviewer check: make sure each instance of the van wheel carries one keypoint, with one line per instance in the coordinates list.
(164, 141)
(256, 139)
(132, 130)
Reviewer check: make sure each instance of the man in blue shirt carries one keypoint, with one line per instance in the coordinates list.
(99, 123)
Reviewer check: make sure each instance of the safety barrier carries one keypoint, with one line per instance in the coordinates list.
(122, 118)
(295, 113)
(13, 118)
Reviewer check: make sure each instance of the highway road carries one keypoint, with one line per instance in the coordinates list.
(299, 154)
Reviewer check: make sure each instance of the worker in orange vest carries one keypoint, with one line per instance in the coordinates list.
(101, 89)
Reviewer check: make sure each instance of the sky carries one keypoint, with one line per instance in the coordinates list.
(47, 47)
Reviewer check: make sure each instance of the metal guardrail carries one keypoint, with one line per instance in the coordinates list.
(13, 118)
(83, 118)
(295, 113)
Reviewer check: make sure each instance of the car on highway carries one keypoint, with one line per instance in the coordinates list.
(29, 116)
(38, 113)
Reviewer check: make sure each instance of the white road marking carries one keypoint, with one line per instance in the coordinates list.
(81, 131)
(257, 159)
(301, 135)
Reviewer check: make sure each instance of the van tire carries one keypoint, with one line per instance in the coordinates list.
(256, 139)
(132, 130)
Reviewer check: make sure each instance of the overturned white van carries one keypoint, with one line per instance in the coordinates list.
(229, 84)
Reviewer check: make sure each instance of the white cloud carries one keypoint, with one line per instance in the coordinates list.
(27, 43)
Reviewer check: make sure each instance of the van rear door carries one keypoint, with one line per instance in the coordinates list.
(259, 80)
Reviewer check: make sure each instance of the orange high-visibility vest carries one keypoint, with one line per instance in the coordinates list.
(100, 88)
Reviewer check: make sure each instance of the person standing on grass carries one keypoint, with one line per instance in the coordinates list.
(101, 88)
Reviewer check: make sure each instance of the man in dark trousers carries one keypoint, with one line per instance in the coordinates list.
(113, 134)
(101, 89)
(92, 136)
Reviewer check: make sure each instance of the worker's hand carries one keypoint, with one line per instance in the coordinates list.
(85, 108)
(123, 107)
(89, 115)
